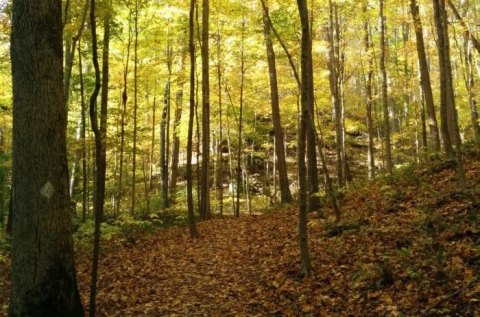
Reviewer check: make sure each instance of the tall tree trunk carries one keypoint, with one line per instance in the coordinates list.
(83, 138)
(104, 92)
(369, 91)
(383, 70)
(230, 162)
(444, 128)
(335, 90)
(305, 125)
(176, 141)
(191, 214)
(425, 77)
(176, 128)
(164, 134)
(135, 108)
(285, 194)
(43, 273)
(122, 119)
(205, 173)
(100, 132)
(240, 119)
(219, 172)
(451, 116)
(152, 148)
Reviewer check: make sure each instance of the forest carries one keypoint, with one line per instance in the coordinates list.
(239, 158)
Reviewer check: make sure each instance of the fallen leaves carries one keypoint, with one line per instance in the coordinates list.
(400, 250)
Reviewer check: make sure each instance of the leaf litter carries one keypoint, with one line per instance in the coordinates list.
(407, 247)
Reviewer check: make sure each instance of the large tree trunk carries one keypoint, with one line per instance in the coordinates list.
(205, 172)
(285, 194)
(43, 273)
(425, 77)
(305, 125)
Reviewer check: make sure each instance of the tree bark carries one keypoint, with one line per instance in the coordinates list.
(176, 128)
(135, 108)
(425, 77)
(335, 79)
(219, 171)
(122, 120)
(383, 70)
(285, 193)
(83, 137)
(444, 128)
(205, 172)
(305, 122)
(43, 273)
(191, 214)
(369, 92)
(100, 132)
(446, 88)
(240, 119)
(164, 134)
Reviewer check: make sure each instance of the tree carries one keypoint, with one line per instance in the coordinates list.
(122, 117)
(335, 66)
(188, 175)
(240, 117)
(135, 107)
(43, 273)
(444, 128)
(450, 129)
(164, 135)
(369, 93)
(425, 77)
(100, 133)
(305, 124)
(285, 194)
(205, 172)
(383, 70)
(176, 123)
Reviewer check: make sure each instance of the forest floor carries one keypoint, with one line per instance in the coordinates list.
(409, 246)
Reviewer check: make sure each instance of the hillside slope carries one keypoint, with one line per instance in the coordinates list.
(405, 247)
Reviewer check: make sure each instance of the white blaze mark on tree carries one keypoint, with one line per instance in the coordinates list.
(47, 190)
